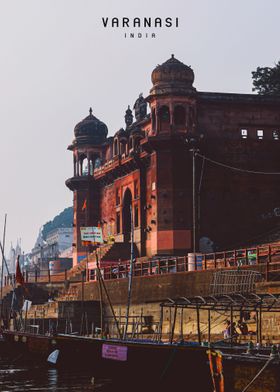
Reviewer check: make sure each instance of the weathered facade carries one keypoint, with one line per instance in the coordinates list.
(147, 168)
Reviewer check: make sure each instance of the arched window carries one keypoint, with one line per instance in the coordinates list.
(164, 114)
(97, 163)
(130, 143)
(164, 117)
(85, 167)
(109, 153)
(137, 147)
(116, 150)
(179, 115)
(122, 147)
(153, 119)
(90, 167)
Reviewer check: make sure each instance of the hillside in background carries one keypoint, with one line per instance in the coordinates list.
(64, 219)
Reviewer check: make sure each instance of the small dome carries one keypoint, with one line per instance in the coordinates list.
(91, 130)
(171, 76)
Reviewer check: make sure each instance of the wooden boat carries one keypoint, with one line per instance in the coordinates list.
(122, 361)
(231, 368)
(166, 365)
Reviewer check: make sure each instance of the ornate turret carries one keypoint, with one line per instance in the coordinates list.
(128, 117)
(172, 76)
(140, 108)
(88, 152)
(90, 131)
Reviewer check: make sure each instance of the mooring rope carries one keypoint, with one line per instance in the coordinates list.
(257, 375)
(169, 360)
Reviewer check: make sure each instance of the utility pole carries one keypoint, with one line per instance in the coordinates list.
(193, 151)
(193, 141)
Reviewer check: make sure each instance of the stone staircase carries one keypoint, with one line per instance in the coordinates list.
(118, 251)
(75, 273)
(29, 291)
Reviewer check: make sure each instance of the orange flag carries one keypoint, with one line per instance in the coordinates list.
(84, 205)
(19, 276)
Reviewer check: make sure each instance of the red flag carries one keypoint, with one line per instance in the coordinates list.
(84, 205)
(19, 276)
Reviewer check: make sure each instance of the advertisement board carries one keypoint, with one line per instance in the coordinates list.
(92, 235)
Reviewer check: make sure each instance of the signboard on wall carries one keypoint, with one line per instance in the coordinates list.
(92, 235)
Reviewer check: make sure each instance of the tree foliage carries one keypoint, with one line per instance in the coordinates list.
(266, 80)
(64, 219)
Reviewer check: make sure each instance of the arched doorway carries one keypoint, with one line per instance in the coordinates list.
(126, 215)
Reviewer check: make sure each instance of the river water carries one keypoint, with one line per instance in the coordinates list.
(24, 377)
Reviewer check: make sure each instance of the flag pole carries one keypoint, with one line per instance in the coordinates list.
(2, 267)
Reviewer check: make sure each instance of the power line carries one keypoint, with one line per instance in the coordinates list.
(236, 168)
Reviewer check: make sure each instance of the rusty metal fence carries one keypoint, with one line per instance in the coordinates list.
(268, 256)
(238, 281)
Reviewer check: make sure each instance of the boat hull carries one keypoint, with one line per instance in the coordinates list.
(151, 364)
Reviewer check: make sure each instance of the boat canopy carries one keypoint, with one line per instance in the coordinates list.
(236, 302)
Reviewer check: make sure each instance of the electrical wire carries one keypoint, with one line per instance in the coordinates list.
(236, 168)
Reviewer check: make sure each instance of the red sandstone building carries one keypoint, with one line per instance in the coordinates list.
(147, 168)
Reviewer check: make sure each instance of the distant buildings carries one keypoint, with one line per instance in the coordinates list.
(58, 242)
(12, 257)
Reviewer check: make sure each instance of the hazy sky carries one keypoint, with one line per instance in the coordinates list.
(57, 60)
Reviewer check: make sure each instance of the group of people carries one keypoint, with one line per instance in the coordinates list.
(231, 329)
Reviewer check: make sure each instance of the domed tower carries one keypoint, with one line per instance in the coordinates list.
(172, 98)
(172, 101)
(88, 150)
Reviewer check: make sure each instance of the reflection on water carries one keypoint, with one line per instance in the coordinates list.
(52, 377)
(18, 377)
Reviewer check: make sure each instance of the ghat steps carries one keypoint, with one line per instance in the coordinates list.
(118, 251)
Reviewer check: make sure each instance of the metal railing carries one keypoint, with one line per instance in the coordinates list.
(268, 256)
(37, 276)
